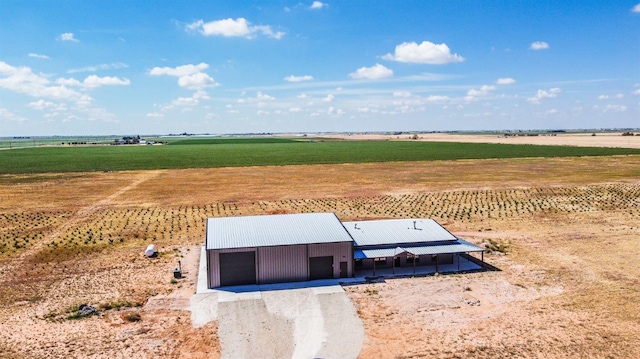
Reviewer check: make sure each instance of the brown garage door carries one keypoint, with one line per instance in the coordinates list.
(320, 267)
(237, 268)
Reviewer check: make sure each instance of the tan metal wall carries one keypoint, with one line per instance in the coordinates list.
(341, 252)
(285, 263)
(282, 264)
(213, 261)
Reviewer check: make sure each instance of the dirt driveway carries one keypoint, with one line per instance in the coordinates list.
(316, 322)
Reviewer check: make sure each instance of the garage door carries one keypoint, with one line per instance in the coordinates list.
(320, 267)
(237, 268)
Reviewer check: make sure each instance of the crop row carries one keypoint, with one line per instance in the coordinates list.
(186, 224)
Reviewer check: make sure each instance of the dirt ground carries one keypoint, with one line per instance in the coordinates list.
(561, 139)
(567, 287)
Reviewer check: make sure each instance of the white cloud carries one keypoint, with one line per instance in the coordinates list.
(374, 72)
(295, 109)
(318, 5)
(293, 78)
(425, 53)
(264, 96)
(23, 80)
(505, 81)
(603, 97)
(332, 111)
(401, 94)
(260, 99)
(155, 114)
(542, 94)
(636, 92)
(182, 102)
(201, 95)
(610, 108)
(196, 81)
(189, 76)
(473, 94)
(636, 8)
(329, 98)
(94, 81)
(46, 105)
(185, 101)
(113, 65)
(539, 45)
(68, 82)
(68, 36)
(268, 31)
(304, 95)
(553, 111)
(239, 27)
(38, 56)
(8, 115)
(436, 99)
(179, 70)
(227, 27)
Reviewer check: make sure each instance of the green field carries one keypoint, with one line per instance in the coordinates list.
(209, 153)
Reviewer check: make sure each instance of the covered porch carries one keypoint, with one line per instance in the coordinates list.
(425, 259)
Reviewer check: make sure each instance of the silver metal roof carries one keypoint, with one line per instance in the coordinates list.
(459, 246)
(397, 231)
(274, 230)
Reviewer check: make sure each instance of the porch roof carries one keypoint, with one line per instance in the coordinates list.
(458, 246)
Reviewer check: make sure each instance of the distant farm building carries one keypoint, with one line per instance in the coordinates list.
(308, 246)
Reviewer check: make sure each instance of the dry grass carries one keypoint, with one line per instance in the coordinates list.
(568, 286)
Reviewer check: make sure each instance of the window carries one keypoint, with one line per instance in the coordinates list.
(380, 261)
(412, 258)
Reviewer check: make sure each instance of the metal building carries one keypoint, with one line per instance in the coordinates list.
(394, 243)
(277, 248)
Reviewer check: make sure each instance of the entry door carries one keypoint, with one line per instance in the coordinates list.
(344, 270)
(237, 268)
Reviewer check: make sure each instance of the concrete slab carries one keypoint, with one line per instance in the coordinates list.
(202, 285)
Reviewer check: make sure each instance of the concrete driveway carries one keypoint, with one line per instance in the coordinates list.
(312, 322)
(289, 320)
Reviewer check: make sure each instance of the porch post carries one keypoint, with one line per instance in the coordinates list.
(414, 264)
(393, 265)
(374, 267)
(436, 263)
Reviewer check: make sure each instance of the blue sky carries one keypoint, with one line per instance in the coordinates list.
(158, 67)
